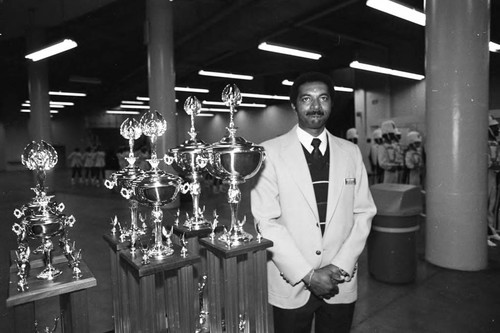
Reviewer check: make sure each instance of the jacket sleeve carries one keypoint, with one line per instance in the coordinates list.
(266, 209)
(364, 210)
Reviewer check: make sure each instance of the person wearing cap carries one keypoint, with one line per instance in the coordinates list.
(413, 158)
(311, 198)
(377, 171)
(387, 153)
(399, 156)
(352, 135)
(493, 169)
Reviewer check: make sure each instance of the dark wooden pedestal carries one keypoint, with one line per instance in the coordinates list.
(237, 287)
(72, 298)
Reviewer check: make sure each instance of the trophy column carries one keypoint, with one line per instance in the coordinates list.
(237, 286)
(159, 295)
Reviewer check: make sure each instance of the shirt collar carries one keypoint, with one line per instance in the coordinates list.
(306, 138)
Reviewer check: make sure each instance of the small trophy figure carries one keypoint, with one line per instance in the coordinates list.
(145, 257)
(176, 222)
(184, 249)
(133, 240)
(74, 258)
(143, 221)
(214, 225)
(23, 267)
(168, 235)
(257, 228)
(47, 329)
(114, 222)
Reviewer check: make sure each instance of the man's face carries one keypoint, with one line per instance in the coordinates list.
(313, 106)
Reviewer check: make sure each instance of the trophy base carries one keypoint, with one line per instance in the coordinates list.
(160, 252)
(49, 273)
(197, 224)
(239, 237)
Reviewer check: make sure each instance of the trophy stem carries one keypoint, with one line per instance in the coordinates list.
(133, 213)
(236, 234)
(131, 147)
(159, 250)
(50, 272)
(198, 221)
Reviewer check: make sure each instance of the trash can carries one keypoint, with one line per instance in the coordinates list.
(392, 246)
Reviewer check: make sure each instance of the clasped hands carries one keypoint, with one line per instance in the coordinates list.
(324, 281)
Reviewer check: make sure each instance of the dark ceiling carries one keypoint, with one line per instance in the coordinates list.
(219, 35)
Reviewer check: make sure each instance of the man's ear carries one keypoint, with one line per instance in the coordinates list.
(293, 107)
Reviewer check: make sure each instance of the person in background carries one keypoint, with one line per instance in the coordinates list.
(377, 171)
(414, 161)
(88, 165)
(100, 166)
(493, 169)
(311, 198)
(399, 151)
(75, 163)
(352, 135)
(387, 152)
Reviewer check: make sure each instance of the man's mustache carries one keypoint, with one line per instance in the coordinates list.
(315, 113)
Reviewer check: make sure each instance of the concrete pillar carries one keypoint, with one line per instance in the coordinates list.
(39, 122)
(161, 71)
(457, 60)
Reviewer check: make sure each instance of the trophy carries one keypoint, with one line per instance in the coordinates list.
(130, 129)
(41, 217)
(190, 159)
(155, 187)
(234, 160)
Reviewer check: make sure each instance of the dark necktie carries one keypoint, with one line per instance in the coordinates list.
(316, 153)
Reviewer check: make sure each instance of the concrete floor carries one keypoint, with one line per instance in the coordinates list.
(440, 300)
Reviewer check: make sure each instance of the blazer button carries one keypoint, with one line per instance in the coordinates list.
(318, 252)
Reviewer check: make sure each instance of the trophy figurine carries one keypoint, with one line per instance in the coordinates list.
(156, 188)
(234, 160)
(190, 160)
(41, 217)
(131, 130)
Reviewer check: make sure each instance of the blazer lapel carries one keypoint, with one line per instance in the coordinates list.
(296, 164)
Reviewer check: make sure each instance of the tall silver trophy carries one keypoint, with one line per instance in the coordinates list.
(190, 160)
(156, 188)
(41, 218)
(131, 130)
(234, 160)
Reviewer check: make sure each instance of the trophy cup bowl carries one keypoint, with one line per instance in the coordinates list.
(157, 189)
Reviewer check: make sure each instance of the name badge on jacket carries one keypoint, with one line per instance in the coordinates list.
(350, 181)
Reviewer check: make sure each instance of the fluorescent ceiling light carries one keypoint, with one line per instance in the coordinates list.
(383, 70)
(288, 51)
(49, 51)
(132, 102)
(336, 88)
(494, 47)
(205, 115)
(187, 89)
(250, 95)
(252, 105)
(61, 103)
(125, 106)
(140, 98)
(87, 80)
(226, 75)
(396, 9)
(215, 109)
(28, 111)
(63, 93)
(57, 106)
(122, 112)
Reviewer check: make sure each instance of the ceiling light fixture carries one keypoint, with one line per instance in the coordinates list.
(226, 75)
(215, 110)
(61, 103)
(133, 102)
(263, 96)
(125, 106)
(122, 112)
(396, 9)
(494, 47)
(64, 93)
(336, 88)
(29, 111)
(196, 90)
(51, 50)
(288, 51)
(383, 70)
(251, 105)
(205, 115)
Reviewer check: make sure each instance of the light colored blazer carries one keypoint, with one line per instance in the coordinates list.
(283, 203)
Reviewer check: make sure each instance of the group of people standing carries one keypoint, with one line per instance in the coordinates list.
(88, 167)
(493, 170)
(391, 161)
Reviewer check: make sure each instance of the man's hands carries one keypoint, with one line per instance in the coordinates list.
(324, 281)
